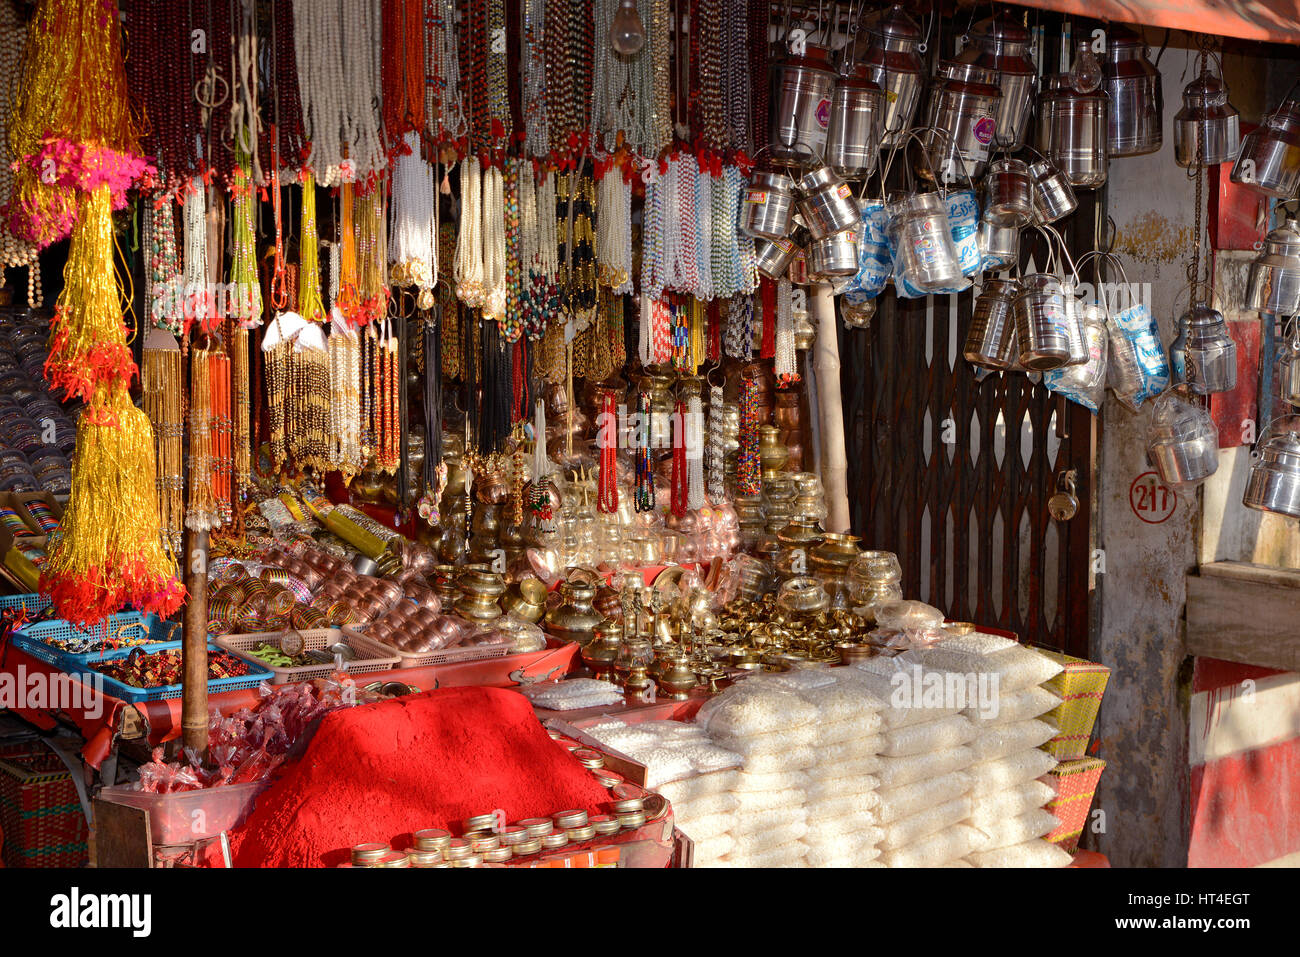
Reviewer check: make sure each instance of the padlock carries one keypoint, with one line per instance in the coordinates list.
(1064, 503)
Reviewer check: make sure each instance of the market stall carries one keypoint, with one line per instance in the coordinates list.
(440, 449)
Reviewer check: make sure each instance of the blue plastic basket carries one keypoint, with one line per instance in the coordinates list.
(35, 638)
(33, 602)
(127, 693)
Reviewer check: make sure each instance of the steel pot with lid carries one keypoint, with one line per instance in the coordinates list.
(856, 118)
(1131, 80)
(1042, 339)
(1273, 283)
(1274, 483)
(1210, 363)
(895, 65)
(961, 120)
(827, 205)
(1073, 131)
(768, 205)
(1182, 441)
(1269, 161)
(1207, 130)
(834, 255)
(999, 44)
(773, 256)
(801, 103)
(991, 339)
(1054, 197)
(1008, 192)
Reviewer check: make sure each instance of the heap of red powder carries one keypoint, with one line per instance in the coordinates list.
(380, 772)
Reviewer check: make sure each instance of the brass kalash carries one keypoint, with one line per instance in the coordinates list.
(794, 628)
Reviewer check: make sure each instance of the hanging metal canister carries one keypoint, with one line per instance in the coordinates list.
(1000, 44)
(991, 339)
(833, 255)
(773, 256)
(1042, 340)
(961, 121)
(1274, 483)
(1072, 131)
(894, 64)
(1182, 441)
(1207, 130)
(1008, 192)
(1136, 119)
(1074, 326)
(918, 226)
(801, 106)
(768, 205)
(1054, 197)
(827, 205)
(1269, 161)
(1273, 283)
(853, 136)
(999, 245)
(1211, 358)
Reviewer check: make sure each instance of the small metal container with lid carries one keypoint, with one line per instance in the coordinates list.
(800, 106)
(1053, 195)
(962, 121)
(484, 842)
(827, 205)
(432, 839)
(894, 63)
(589, 758)
(853, 134)
(991, 340)
(527, 848)
(457, 849)
(999, 44)
(369, 854)
(568, 819)
(1131, 80)
(581, 833)
(480, 822)
(773, 256)
(604, 823)
(537, 826)
(1211, 353)
(418, 858)
(767, 206)
(1269, 161)
(834, 255)
(1182, 441)
(1207, 130)
(514, 834)
(554, 840)
(1073, 130)
(498, 855)
(1008, 192)
(1042, 339)
(1274, 483)
(1273, 283)
(629, 820)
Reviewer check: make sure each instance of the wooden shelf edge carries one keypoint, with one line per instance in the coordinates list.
(1249, 620)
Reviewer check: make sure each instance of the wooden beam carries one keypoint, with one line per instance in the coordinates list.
(1245, 614)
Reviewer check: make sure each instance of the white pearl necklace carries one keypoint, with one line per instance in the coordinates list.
(614, 231)
(412, 244)
(195, 268)
(468, 267)
(784, 364)
(694, 454)
(494, 245)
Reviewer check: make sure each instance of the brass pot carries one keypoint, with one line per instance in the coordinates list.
(801, 532)
(601, 652)
(526, 598)
(574, 619)
(833, 556)
(772, 454)
(676, 677)
(480, 590)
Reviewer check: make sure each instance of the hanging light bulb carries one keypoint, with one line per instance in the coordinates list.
(626, 33)
(1086, 75)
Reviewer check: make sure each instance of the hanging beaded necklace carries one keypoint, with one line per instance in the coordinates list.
(716, 452)
(749, 475)
(403, 76)
(443, 104)
(643, 498)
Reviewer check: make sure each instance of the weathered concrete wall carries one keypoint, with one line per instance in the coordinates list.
(1143, 722)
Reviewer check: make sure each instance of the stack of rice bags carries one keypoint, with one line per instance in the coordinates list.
(841, 784)
(697, 776)
(1006, 807)
(924, 782)
(774, 730)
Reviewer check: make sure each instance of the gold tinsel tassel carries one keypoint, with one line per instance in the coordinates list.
(109, 552)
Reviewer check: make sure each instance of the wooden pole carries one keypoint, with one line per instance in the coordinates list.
(194, 645)
(830, 410)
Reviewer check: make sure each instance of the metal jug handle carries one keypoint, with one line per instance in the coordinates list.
(1060, 251)
(943, 187)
